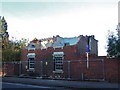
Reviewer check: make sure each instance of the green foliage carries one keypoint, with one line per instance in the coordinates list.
(113, 46)
(12, 51)
(118, 48)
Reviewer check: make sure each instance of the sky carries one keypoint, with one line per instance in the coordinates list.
(68, 18)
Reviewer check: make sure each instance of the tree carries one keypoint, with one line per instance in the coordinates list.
(12, 51)
(118, 48)
(113, 46)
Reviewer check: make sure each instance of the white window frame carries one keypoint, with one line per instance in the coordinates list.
(58, 62)
(31, 55)
(31, 63)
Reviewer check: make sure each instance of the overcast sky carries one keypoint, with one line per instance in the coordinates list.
(67, 18)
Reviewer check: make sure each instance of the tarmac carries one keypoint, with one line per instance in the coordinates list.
(62, 83)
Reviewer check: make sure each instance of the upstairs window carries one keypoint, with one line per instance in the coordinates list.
(67, 44)
(33, 46)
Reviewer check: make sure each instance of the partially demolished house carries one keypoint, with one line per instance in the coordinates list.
(48, 56)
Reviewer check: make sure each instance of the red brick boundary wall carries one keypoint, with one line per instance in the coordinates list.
(10, 69)
(112, 70)
(100, 69)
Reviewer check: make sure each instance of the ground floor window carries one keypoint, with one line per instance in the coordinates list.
(58, 61)
(31, 63)
(31, 60)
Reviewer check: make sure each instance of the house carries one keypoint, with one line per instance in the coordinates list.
(52, 53)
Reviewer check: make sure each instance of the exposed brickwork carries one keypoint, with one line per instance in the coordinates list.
(10, 69)
(112, 70)
(100, 68)
(107, 69)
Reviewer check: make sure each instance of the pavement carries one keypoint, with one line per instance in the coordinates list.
(62, 83)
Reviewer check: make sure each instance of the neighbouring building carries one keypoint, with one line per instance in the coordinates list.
(52, 52)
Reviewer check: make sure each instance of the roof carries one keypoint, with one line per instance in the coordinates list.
(71, 41)
(61, 42)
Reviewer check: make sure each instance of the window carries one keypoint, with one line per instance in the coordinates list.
(58, 61)
(67, 44)
(32, 46)
(31, 63)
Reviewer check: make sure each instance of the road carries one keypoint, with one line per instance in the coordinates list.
(6, 85)
(60, 84)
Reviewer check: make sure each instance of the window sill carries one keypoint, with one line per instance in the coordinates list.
(31, 49)
(58, 71)
(31, 69)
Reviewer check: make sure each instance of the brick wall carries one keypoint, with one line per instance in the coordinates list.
(10, 69)
(24, 59)
(112, 70)
(106, 69)
(100, 68)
